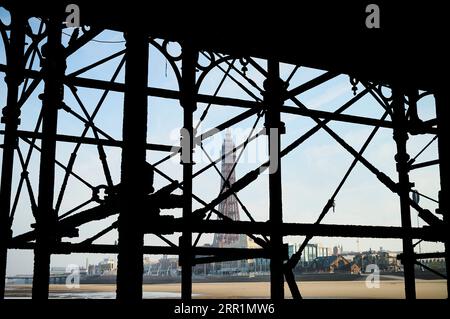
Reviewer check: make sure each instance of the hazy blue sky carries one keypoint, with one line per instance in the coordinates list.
(310, 173)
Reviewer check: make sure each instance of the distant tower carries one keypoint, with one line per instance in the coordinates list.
(228, 207)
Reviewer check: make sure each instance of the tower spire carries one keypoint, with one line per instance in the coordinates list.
(228, 207)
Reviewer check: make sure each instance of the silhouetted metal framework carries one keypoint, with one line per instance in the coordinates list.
(134, 193)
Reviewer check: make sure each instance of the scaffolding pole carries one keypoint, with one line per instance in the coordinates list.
(273, 101)
(133, 180)
(442, 114)
(402, 157)
(11, 114)
(52, 99)
(188, 103)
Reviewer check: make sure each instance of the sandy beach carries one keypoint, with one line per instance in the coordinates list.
(389, 289)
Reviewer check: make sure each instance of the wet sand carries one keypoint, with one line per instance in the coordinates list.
(389, 289)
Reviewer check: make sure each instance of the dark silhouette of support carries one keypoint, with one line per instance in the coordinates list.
(273, 99)
(52, 99)
(11, 114)
(133, 180)
(404, 187)
(137, 205)
(442, 114)
(188, 103)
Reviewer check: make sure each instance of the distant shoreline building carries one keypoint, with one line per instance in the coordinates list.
(107, 266)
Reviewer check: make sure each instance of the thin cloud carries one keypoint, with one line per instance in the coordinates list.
(329, 95)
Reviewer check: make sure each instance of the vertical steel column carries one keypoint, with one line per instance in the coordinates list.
(132, 192)
(442, 115)
(11, 114)
(54, 68)
(402, 157)
(188, 103)
(273, 100)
